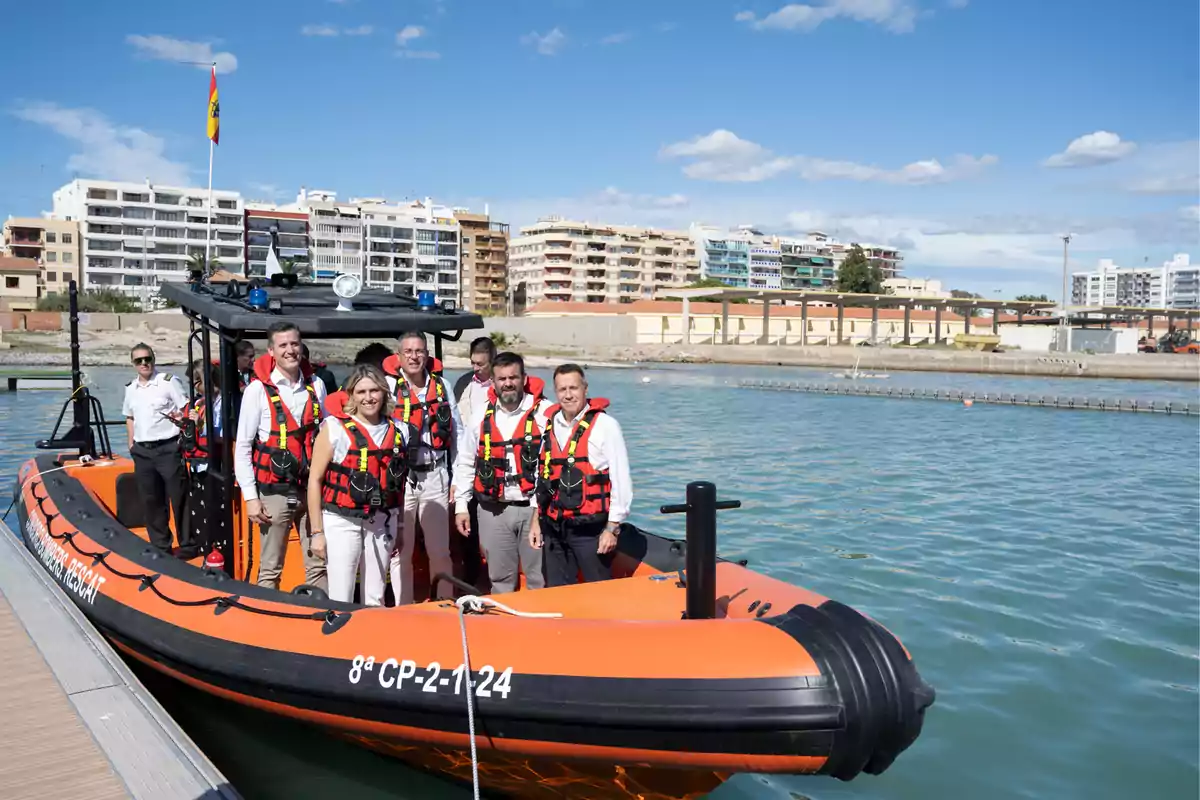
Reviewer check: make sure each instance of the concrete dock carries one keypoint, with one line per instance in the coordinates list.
(77, 723)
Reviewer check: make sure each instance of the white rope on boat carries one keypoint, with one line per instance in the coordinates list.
(84, 461)
(479, 605)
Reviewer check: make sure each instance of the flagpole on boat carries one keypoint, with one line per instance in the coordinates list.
(214, 120)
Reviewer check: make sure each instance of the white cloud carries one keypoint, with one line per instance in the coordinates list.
(898, 16)
(547, 44)
(409, 33)
(200, 54)
(724, 156)
(107, 150)
(361, 30)
(617, 38)
(612, 196)
(429, 55)
(1190, 214)
(1101, 147)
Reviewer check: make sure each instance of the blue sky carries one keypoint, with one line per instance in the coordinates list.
(972, 133)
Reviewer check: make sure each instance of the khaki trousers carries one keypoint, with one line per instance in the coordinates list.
(274, 538)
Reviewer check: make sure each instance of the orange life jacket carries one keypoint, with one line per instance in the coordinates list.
(570, 487)
(491, 459)
(372, 476)
(281, 462)
(411, 411)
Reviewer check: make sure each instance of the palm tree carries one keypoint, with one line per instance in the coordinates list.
(289, 265)
(196, 263)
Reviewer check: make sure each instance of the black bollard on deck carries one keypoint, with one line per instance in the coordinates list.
(701, 508)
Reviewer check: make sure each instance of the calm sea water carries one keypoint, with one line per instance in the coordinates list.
(1042, 567)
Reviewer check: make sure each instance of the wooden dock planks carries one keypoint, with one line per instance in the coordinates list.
(46, 752)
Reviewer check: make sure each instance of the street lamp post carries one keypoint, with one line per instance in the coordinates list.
(1064, 322)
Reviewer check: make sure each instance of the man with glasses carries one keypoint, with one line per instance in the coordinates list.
(154, 405)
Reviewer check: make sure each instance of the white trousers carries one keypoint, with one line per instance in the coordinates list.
(353, 543)
(429, 502)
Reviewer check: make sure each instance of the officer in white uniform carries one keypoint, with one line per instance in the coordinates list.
(154, 402)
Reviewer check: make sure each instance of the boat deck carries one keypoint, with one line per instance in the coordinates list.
(77, 722)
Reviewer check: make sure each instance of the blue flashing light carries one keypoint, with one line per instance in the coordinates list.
(425, 300)
(258, 298)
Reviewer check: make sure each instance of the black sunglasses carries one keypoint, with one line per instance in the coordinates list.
(144, 360)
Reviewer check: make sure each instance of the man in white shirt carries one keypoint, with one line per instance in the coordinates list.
(423, 402)
(471, 393)
(502, 481)
(471, 390)
(154, 405)
(272, 473)
(585, 493)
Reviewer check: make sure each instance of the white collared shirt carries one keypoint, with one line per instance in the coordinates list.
(147, 402)
(605, 451)
(506, 423)
(425, 453)
(256, 420)
(474, 401)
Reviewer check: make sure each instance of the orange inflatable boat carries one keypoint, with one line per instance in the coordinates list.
(685, 669)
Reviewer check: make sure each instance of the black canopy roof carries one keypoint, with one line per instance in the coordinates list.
(313, 309)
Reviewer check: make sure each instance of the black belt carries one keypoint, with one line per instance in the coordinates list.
(158, 442)
(491, 502)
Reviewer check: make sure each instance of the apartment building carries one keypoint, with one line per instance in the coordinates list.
(135, 235)
(915, 287)
(563, 260)
(810, 262)
(1182, 280)
(744, 258)
(412, 247)
(20, 287)
(52, 243)
(483, 253)
(888, 259)
(289, 229)
(1176, 284)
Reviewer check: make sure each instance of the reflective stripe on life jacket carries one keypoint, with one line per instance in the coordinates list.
(492, 467)
(371, 477)
(413, 411)
(570, 487)
(281, 462)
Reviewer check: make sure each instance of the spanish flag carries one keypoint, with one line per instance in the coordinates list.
(214, 110)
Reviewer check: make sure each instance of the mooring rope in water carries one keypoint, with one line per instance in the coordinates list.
(991, 398)
(479, 605)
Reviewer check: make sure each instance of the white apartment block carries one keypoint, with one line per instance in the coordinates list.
(1176, 284)
(915, 287)
(136, 235)
(568, 261)
(412, 248)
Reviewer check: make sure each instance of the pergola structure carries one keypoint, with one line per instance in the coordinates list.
(840, 300)
(1106, 315)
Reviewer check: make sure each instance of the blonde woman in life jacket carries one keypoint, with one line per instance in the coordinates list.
(356, 485)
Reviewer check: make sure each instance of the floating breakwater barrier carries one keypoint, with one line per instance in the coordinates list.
(993, 398)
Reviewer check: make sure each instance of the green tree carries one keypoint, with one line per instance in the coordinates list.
(302, 269)
(712, 283)
(92, 301)
(963, 294)
(858, 275)
(1033, 298)
(196, 262)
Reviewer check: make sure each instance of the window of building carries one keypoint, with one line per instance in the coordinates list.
(11, 282)
(51, 237)
(52, 277)
(67, 238)
(51, 257)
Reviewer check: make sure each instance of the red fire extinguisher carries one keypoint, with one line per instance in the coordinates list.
(214, 560)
